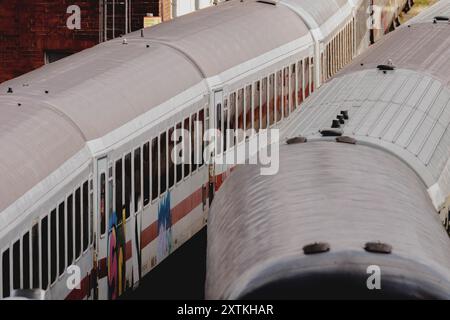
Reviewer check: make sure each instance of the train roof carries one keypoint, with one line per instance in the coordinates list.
(405, 111)
(343, 195)
(90, 94)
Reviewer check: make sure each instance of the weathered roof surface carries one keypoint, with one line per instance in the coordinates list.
(406, 111)
(341, 194)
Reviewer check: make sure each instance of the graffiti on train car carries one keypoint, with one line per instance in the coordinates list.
(164, 228)
(116, 255)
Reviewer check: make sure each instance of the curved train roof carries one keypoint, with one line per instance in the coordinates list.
(405, 111)
(341, 194)
(92, 93)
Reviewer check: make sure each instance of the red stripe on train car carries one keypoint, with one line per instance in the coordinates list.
(79, 294)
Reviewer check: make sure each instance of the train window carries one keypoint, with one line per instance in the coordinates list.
(312, 75)
(146, 173)
(279, 93)
(91, 212)
(127, 185)
(78, 223)
(35, 254)
(286, 91)
(170, 158)
(6, 274)
(186, 131)
(240, 111)
(137, 179)
(307, 84)
(293, 87)
(179, 165)
(102, 203)
(16, 265)
(85, 215)
(271, 99)
(163, 162)
(248, 107)
(26, 261)
(155, 165)
(201, 119)
(328, 62)
(118, 183)
(300, 82)
(256, 109)
(53, 247)
(70, 230)
(44, 252)
(226, 124)
(110, 209)
(264, 104)
(62, 238)
(232, 119)
(194, 142)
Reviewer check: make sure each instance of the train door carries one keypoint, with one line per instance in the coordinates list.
(102, 199)
(216, 123)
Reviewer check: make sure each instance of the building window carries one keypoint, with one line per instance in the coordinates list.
(51, 56)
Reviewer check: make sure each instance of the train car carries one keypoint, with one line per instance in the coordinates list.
(360, 206)
(90, 194)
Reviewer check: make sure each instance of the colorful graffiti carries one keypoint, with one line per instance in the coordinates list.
(116, 255)
(164, 228)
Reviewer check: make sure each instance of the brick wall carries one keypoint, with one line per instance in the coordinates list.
(30, 27)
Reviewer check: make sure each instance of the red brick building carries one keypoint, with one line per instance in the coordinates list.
(35, 32)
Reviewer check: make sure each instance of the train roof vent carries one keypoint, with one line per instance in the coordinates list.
(317, 247)
(332, 132)
(385, 67)
(440, 18)
(296, 140)
(10, 90)
(378, 247)
(271, 2)
(345, 139)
